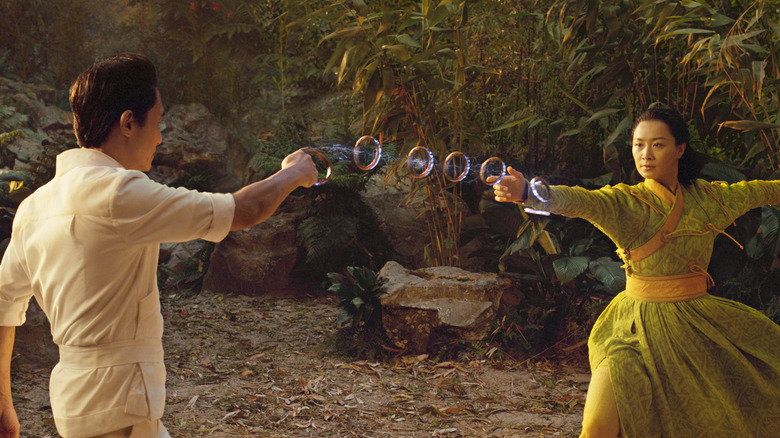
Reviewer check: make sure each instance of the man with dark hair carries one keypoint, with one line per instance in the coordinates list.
(86, 246)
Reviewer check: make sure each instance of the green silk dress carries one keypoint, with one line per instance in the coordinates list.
(701, 367)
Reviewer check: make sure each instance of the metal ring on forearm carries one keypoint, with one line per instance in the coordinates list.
(316, 153)
(450, 160)
(484, 167)
(540, 189)
(377, 154)
(410, 159)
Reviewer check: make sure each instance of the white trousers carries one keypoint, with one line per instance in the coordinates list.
(147, 429)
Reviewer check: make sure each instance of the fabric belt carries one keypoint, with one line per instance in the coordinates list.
(666, 289)
(106, 355)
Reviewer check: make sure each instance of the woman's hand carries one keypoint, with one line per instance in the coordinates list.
(511, 188)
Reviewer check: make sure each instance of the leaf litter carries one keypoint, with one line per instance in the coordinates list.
(258, 367)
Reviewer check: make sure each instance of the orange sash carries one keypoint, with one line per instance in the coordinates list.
(658, 240)
(666, 289)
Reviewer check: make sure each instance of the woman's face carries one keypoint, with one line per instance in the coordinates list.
(656, 153)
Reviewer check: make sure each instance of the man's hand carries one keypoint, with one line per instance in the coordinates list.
(9, 422)
(303, 165)
(259, 200)
(511, 188)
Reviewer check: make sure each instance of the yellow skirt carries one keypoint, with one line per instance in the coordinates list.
(703, 367)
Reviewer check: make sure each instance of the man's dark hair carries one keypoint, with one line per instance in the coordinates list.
(108, 88)
(689, 166)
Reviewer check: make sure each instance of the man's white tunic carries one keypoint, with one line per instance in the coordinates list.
(86, 246)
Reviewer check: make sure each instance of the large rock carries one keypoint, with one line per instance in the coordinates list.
(255, 261)
(36, 113)
(181, 264)
(34, 344)
(397, 216)
(194, 144)
(441, 304)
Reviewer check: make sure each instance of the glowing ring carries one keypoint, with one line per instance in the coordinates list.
(427, 170)
(539, 212)
(378, 155)
(316, 153)
(483, 169)
(540, 189)
(462, 174)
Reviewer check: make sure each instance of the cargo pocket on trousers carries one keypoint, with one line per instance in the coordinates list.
(137, 400)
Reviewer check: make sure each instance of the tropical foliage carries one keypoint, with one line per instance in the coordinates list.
(551, 87)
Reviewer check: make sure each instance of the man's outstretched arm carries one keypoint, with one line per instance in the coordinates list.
(258, 201)
(9, 423)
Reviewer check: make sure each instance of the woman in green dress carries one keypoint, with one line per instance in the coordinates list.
(668, 359)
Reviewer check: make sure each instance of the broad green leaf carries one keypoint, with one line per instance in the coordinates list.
(609, 273)
(603, 113)
(721, 172)
(568, 268)
(343, 316)
(770, 223)
(755, 247)
(439, 14)
(407, 39)
(622, 127)
(357, 302)
(758, 148)
(720, 20)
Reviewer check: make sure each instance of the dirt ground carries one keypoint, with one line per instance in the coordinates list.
(257, 367)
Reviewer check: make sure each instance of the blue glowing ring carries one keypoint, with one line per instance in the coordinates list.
(316, 153)
(483, 169)
(377, 156)
(463, 173)
(428, 168)
(538, 212)
(540, 189)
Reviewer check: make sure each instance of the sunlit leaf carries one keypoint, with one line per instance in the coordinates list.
(689, 32)
(347, 32)
(399, 51)
(748, 125)
(548, 243)
(513, 123)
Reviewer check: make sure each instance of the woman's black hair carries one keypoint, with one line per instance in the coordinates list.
(689, 166)
(107, 89)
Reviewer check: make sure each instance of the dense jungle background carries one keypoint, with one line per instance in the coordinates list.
(550, 87)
